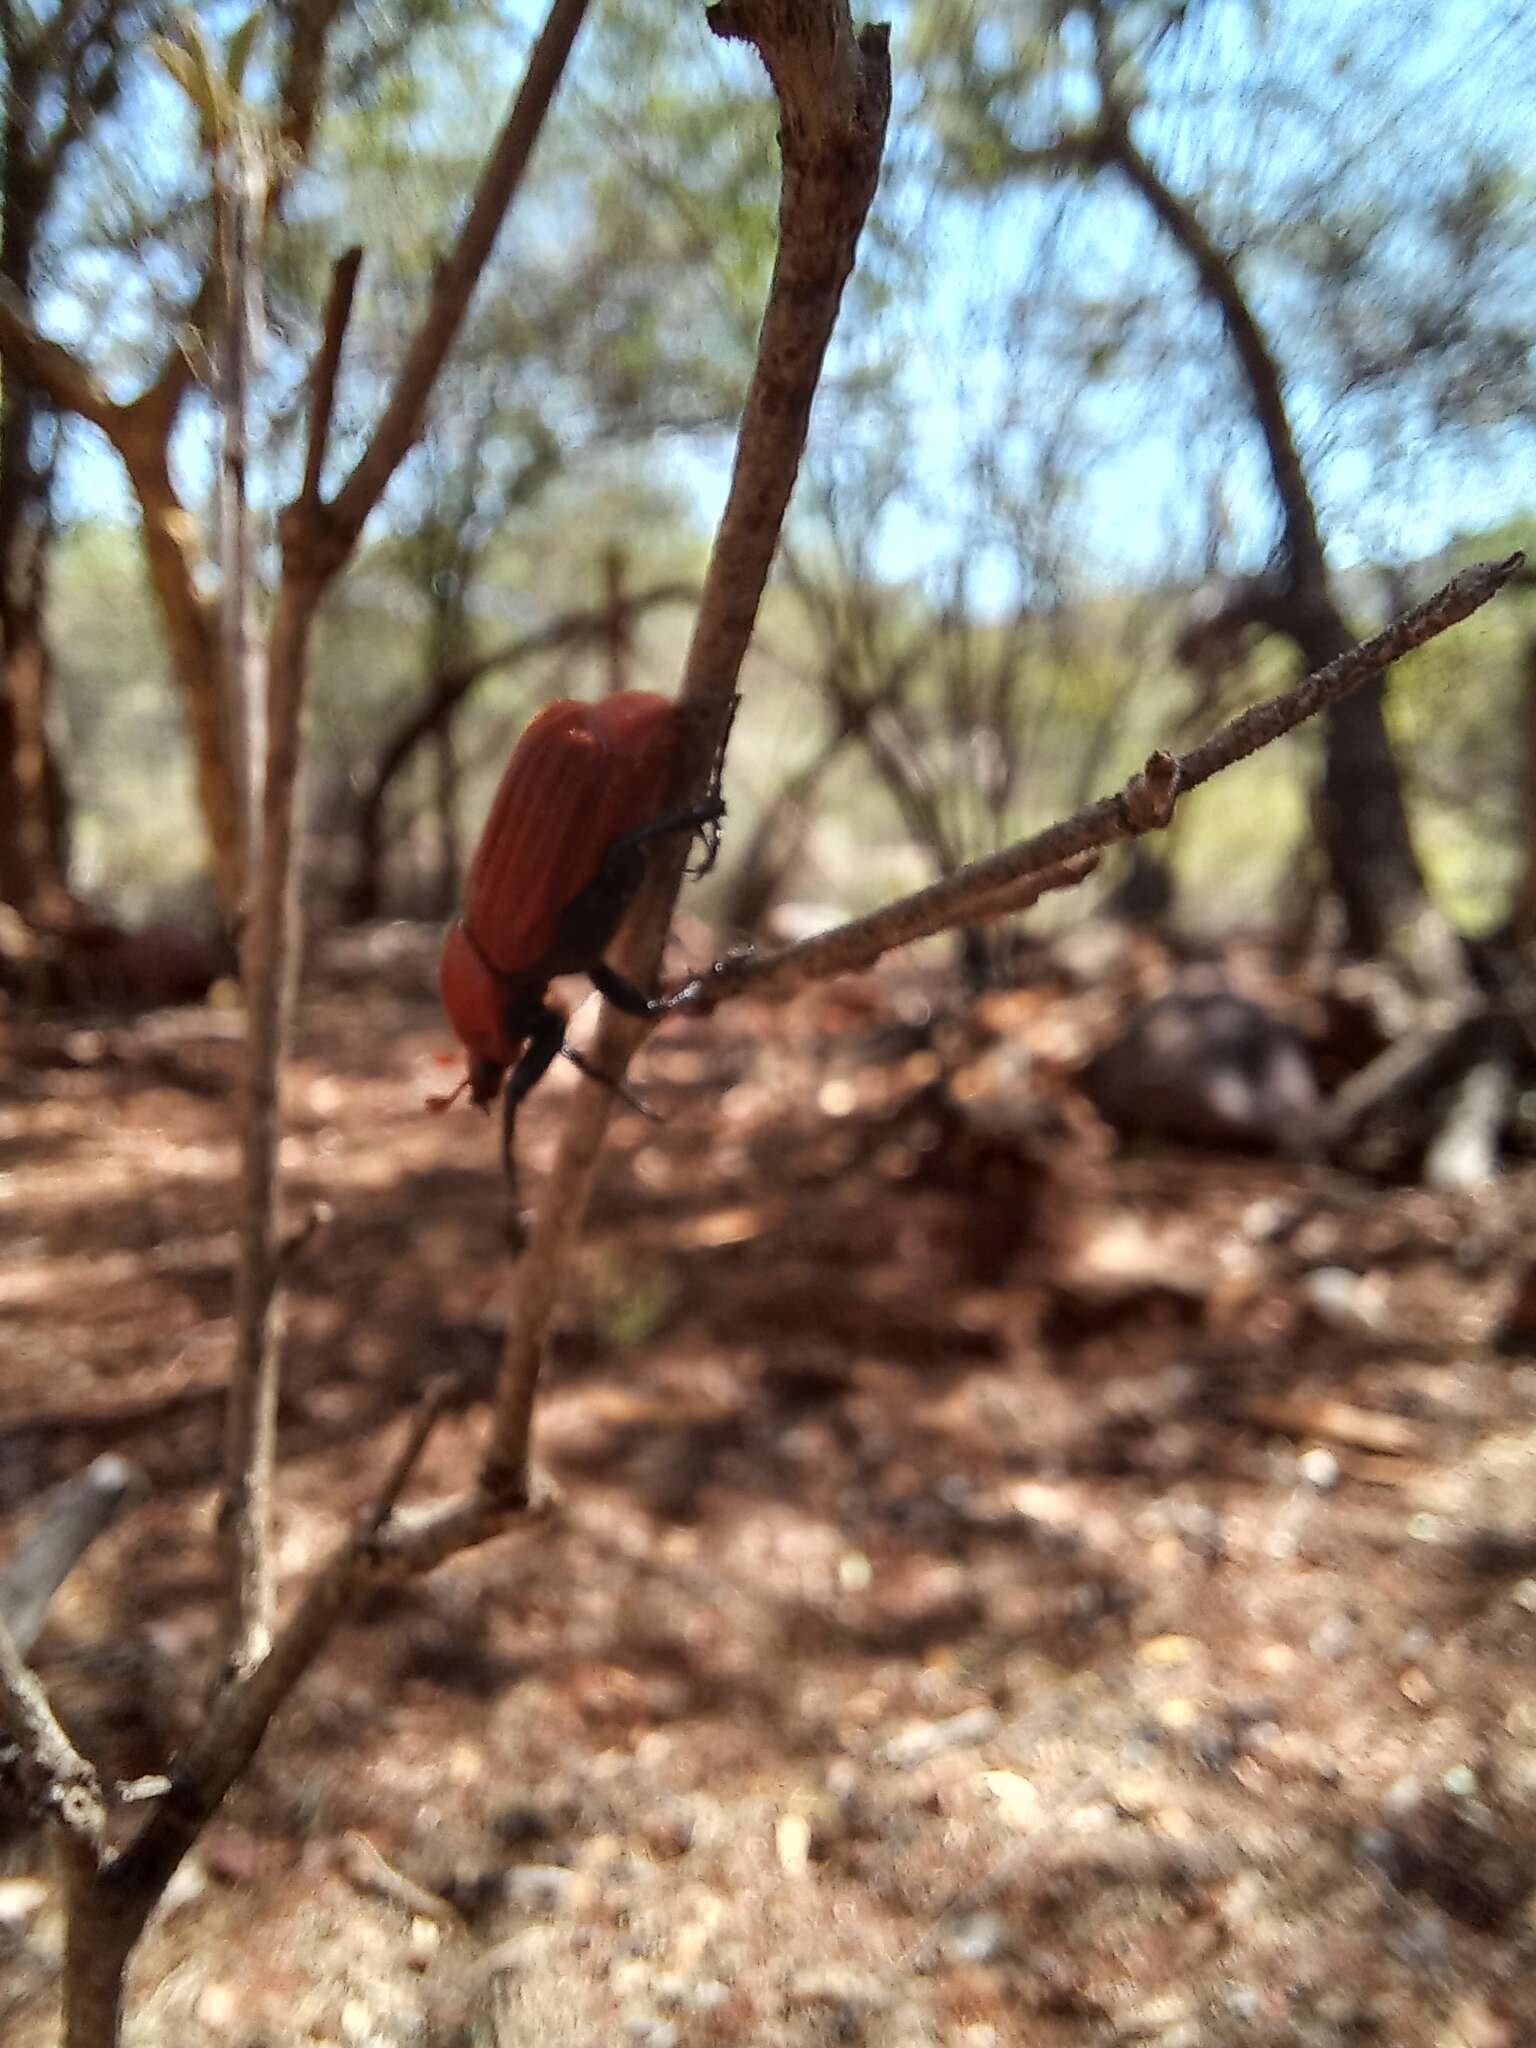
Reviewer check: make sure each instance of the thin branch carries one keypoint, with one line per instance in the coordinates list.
(371, 1557)
(322, 403)
(49, 365)
(58, 1780)
(428, 1415)
(833, 90)
(316, 541)
(401, 419)
(73, 1516)
(450, 686)
(1146, 804)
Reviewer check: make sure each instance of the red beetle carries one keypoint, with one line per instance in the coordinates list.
(561, 857)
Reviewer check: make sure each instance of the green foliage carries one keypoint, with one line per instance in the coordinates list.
(138, 843)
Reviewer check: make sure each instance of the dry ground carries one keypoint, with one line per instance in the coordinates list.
(1004, 1596)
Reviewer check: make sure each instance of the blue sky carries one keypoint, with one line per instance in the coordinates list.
(1398, 495)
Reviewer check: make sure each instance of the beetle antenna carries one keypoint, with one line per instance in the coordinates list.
(439, 1104)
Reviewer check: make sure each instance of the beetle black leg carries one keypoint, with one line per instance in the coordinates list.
(708, 810)
(545, 1038)
(622, 1089)
(626, 997)
(617, 989)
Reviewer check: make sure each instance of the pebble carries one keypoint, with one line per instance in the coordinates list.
(1166, 1651)
(927, 1739)
(359, 2022)
(1319, 1469)
(218, 2007)
(689, 1994)
(1334, 1637)
(1421, 1942)
(857, 1990)
(1345, 1301)
(792, 1842)
(541, 1887)
(1018, 1803)
(1416, 1687)
(974, 1938)
(20, 1898)
(651, 2033)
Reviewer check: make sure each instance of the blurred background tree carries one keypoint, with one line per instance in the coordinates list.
(1189, 340)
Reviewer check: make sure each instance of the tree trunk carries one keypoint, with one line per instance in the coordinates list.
(448, 860)
(1371, 857)
(1523, 916)
(777, 840)
(32, 807)
(99, 1938)
(193, 641)
(1370, 851)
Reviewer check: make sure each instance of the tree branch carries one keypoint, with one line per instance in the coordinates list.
(450, 686)
(322, 404)
(49, 365)
(73, 1516)
(401, 420)
(316, 541)
(386, 1547)
(59, 1782)
(1146, 804)
(833, 90)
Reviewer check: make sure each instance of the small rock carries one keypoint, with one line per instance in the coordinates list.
(1164, 1651)
(1318, 1469)
(927, 1739)
(218, 2007)
(1018, 1803)
(1348, 1302)
(541, 1887)
(1421, 1942)
(1334, 1637)
(792, 1841)
(1207, 1068)
(650, 2033)
(1417, 1687)
(526, 1952)
(833, 1985)
(359, 2021)
(422, 1942)
(689, 1994)
(974, 1938)
(1137, 1796)
(20, 1898)
(669, 1831)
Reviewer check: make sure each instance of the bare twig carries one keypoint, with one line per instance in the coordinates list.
(444, 693)
(401, 419)
(317, 539)
(48, 364)
(1146, 804)
(428, 1414)
(56, 1777)
(322, 403)
(833, 89)
(73, 1516)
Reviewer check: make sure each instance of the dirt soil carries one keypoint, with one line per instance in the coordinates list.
(1006, 1592)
